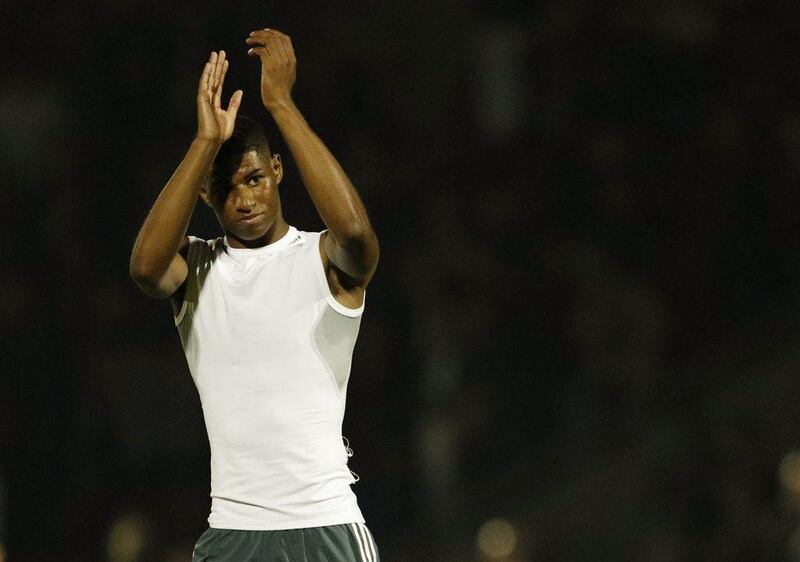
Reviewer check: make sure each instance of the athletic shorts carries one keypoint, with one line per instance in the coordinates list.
(336, 543)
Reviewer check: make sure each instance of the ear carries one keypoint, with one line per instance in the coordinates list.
(204, 195)
(277, 168)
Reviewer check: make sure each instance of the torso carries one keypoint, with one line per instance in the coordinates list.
(269, 349)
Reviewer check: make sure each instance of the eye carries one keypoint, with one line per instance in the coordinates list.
(253, 180)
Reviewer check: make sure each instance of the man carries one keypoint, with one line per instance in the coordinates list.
(268, 316)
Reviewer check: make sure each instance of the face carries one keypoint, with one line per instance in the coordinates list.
(244, 196)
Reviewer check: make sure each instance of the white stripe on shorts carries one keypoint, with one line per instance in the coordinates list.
(360, 542)
(370, 542)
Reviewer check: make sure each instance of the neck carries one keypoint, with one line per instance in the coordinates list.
(277, 231)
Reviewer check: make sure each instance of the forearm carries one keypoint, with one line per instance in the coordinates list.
(331, 191)
(165, 226)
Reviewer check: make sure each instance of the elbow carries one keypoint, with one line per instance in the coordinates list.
(357, 234)
(143, 274)
(148, 284)
(137, 269)
(361, 244)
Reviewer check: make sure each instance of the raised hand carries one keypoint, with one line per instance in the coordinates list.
(214, 123)
(278, 65)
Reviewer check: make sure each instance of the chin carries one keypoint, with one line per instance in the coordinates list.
(250, 232)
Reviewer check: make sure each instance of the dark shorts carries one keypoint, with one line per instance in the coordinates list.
(337, 543)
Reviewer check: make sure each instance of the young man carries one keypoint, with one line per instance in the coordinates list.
(268, 316)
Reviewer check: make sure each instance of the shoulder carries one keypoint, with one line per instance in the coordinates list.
(199, 255)
(345, 290)
(193, 248)
(310, 235)
(309, 242)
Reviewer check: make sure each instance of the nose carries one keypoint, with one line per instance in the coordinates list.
(244, 201)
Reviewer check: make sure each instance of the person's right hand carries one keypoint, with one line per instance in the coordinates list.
(214, 123)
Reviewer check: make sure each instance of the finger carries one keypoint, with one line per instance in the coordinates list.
(260, 32)
(212, 61)
(276, 46)
(266, 32)
(281, 41)
(202, 87)
(257, 52)
(218, 72)
(257, 42)
(262, 36)
(234, 103)
(274, 32)
(287, 43)
(218, 93)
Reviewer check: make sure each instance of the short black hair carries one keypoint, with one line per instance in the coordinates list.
(248, 135)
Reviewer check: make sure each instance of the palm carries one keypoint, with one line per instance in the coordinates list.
(213, 122)
(225, 122)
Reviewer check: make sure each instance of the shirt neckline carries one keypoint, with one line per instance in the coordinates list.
(290, 236)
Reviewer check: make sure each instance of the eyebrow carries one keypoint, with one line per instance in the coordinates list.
(249, 173)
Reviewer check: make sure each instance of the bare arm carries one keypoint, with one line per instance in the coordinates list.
(156, 264)
(352, 245)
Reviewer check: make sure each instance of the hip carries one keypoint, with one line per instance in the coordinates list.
(349, 542)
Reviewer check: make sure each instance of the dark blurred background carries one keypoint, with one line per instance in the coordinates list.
(583, 339)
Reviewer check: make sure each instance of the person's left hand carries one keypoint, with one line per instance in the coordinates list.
(278, 65)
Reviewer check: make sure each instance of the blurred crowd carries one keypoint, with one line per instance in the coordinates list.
(582, 339)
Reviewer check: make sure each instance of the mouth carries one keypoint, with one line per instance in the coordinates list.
(249, 218)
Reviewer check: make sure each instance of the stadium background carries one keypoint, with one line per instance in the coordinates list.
(582, 342)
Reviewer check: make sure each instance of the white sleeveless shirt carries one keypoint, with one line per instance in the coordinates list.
(269, 349)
